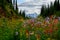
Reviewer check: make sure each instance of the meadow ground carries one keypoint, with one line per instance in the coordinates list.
(30, 29)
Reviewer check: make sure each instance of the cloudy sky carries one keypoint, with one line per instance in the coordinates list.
(32, 6)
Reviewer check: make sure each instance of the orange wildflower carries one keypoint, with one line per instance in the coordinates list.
(56, 21)
(51, 16)
(27, 33)
(50, 25)
(38, 36)
(55, 28)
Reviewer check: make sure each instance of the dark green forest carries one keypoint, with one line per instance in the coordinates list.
(53, 9)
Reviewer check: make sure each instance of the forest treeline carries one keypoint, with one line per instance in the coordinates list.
(53, 9)
(7, 9)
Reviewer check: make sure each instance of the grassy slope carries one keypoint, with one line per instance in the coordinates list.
(7, 10)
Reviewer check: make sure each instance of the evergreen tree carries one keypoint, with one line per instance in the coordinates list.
(11, 1)
(48, 11)
(16, 7)
(20, 13)
(42, 11)
(23, 14)
(51, 9)
(14, 4)
(1, 2)
(56, 5)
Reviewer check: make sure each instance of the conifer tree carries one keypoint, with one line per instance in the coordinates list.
(20, 13)
(23, 14)
(56, 5)
(51, 9)
(16, 7)
(42, 10)
(11, 1)
(14, 4)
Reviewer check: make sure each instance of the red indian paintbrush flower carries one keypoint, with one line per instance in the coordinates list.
(55, 28)
(46, 31)
(50, 30)
(27, 31)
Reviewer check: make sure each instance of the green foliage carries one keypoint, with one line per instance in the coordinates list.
(5, 32)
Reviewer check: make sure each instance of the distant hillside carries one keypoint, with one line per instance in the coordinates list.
(33, 15)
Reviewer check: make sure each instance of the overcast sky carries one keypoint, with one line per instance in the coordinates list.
(32, 6)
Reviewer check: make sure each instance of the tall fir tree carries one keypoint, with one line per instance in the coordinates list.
(16, 7)
(42, 11)
(23, 14)
(14, 4)
(20, 13)
(11, 1)
(51, 9)
(56, 5)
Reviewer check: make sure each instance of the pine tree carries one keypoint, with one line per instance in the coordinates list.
(16, 7)
(51, 9)
(48, 10)
(8, 1)
(1, 2)
(11, 1)
(59, 5)
(56, 5)
(20, 13)
(42, 11)
(23, 14)
(14, 4)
